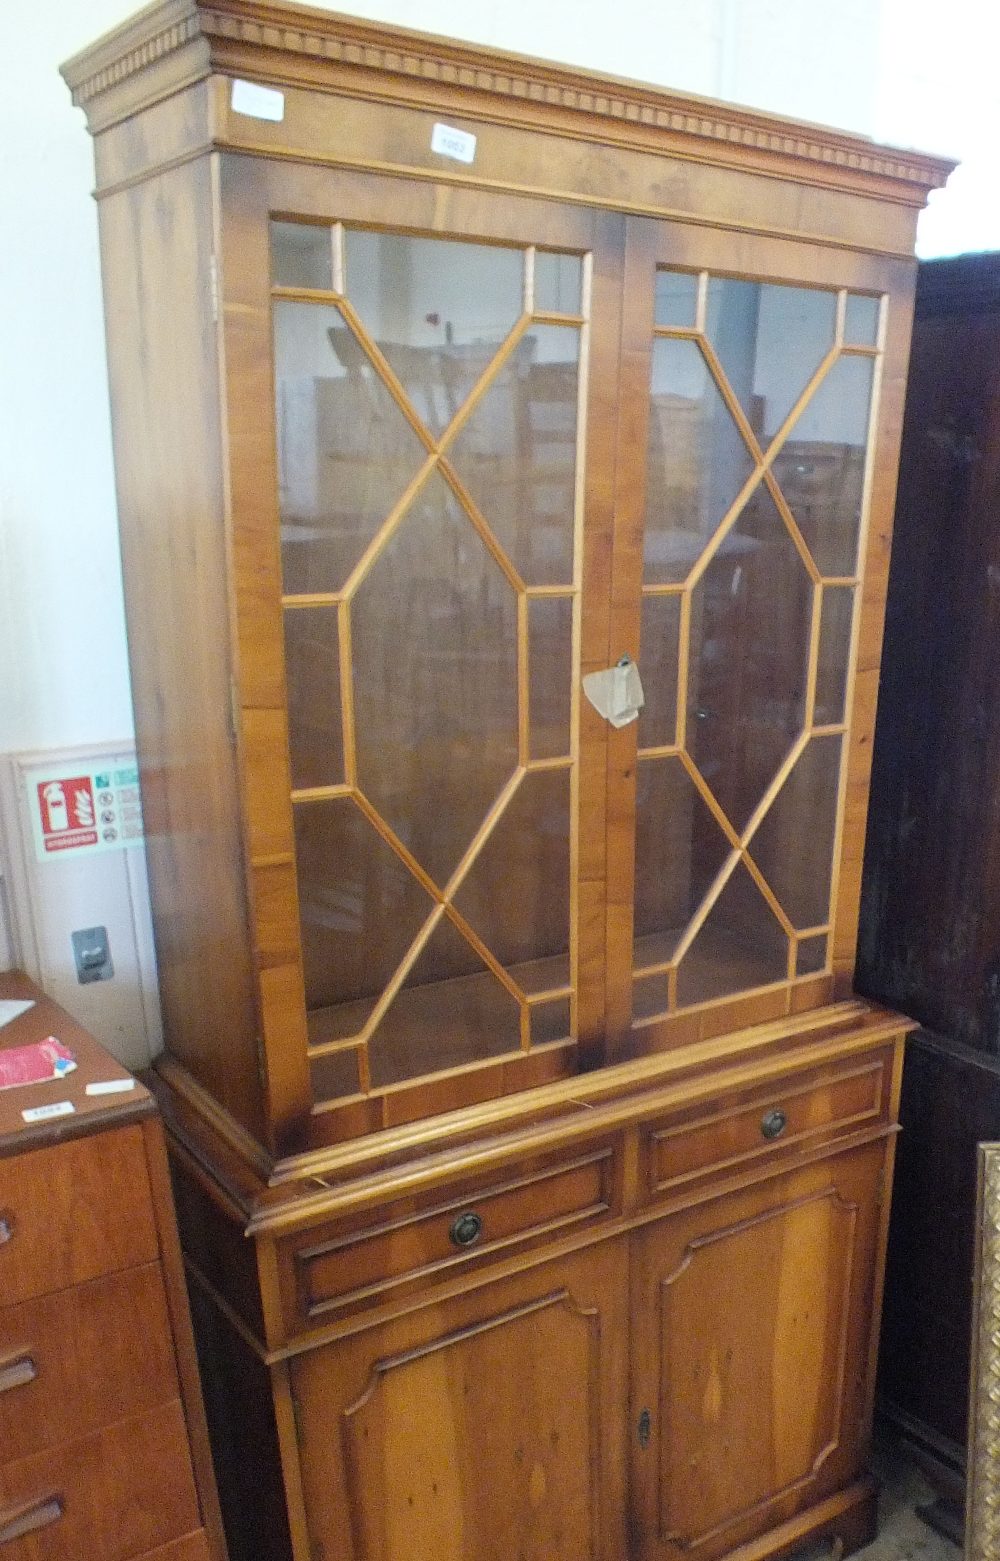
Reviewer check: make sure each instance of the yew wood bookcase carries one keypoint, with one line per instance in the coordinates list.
(531, 1151)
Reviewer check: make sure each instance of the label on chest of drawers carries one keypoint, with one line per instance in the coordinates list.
(58, 1108)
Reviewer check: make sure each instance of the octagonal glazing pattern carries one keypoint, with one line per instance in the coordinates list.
(434, 791)
(762, 582)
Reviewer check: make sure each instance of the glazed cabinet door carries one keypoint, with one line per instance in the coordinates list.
(490, 1425)
(761, 389)
(420, 385)
(752, 1318)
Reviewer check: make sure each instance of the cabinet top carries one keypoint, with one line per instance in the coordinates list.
(174, 43)
(113, 1098)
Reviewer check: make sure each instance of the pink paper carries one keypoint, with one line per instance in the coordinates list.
(48, 1059)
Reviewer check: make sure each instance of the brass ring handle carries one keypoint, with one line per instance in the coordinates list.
(18, 1521)
(466, 1229)
(773, 1123)
(16, 1371)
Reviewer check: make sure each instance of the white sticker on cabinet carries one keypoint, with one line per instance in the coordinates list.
(458, 144)
(257, 102)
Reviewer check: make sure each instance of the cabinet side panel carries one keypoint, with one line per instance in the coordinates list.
(157, 256)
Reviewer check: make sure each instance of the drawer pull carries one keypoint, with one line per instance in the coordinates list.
(6, 1226)
(773, 1123)
(16, 1371)
(14, 1524)
(466, 1229)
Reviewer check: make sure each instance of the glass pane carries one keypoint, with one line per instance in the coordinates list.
(516, 454)
(649, 996)
(451, 1011)
(793, 846)
(345, 451)
(834, 650)
(811, 956)
(550, 675)
(861, 320)
(301, 255)
(312, 672)
(557, 283)
(676, 298)
(435, 680)
(360, 910)
(696, 461)
(740, 946)
(438, 310)
(550, 1022)
(658, 649)
(335, 1075)
(821, 467)
(750, 622)
(679, 851)
(516, 895)
(770, 341)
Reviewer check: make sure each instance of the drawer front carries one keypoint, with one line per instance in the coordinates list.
(767, 1123)
(108, 1497)
(355, 1263)
(73, 1212)
(73, 1362)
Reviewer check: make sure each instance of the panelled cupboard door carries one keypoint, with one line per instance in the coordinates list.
(420, 392)
(751, 1323)
(490, 1425)
(750, 394)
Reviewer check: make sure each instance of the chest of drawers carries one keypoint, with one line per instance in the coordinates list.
(103, 1451)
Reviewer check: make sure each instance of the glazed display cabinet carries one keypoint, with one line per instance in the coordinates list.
(532, 1154)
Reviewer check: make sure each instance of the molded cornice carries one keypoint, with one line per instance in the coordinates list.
(175, 42)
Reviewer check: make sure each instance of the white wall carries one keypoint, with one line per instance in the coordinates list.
(864, 64)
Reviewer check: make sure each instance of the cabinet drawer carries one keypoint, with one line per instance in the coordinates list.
(73, 1212)
(768, 1122)
(73, 1362)
(108, 1497)
(350, 1264)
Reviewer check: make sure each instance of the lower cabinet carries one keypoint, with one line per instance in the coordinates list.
(485, 1427)
(655, 1342)
(751, 1319)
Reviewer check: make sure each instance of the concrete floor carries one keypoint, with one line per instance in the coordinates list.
(903, 1536)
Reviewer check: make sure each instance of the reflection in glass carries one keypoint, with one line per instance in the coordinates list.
(335, 1075)
(751, 614)
(649, 996)
(435, 680)
(658, 651)
(516, 454)
(696, 461)
(821, 467)
(676, 298)
(557, 283)
(741, 945)
(516, 895)
(679, 851)
(360, 910)
(301, 255)
(345, 451)
(861, 320)
(312, 673)
(811, 956)
(433, 1024)
(550, 1022)
(437, 308)
(793, 846)
(770, 341)
(834, 652)
(550, 674)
